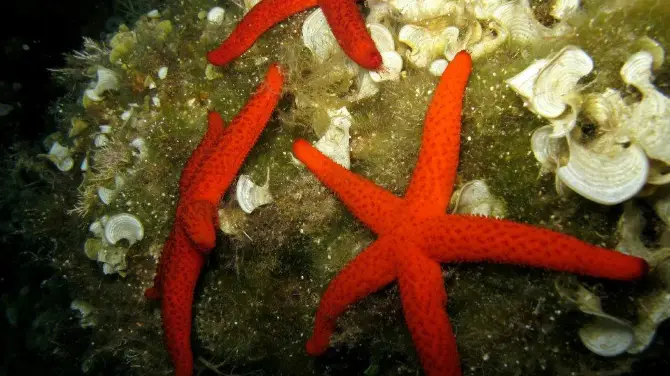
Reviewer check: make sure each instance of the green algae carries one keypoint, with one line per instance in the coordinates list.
(256, 299)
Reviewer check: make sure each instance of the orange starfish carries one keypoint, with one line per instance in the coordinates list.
(342, 15)
(204, 179)
(415, 236)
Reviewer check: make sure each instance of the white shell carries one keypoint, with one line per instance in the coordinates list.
(558, 79)
(391, 67)
(437, 67)
(60, 156)
(475, 198)
(141, 150)
(546, 149)
(564, 8)
(382, 37)
(162, 72)
(495, 37)
(649, 122)
(154, 13)
(105, 129)
(426, 45)
(422, 10)
(97, 228)
(549, 87)
(335, 142)
(367, 87)
(317, 36)
(123, 226)
(608, 178)
(156, 101)
(84, 164)
(106, 195)
(107, 80)
(250, 196)
(100, 140)
(606, 337)
(215, 15)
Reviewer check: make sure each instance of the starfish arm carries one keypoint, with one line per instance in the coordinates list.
(260, 18)
(215, 126)
(432, 182)
(370, 203)
(197, 219)
(424, 301)
(177, 303)
(217, 172)
(371, 270)
(471, 238)
(349, 29)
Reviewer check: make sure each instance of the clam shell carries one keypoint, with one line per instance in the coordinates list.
(558, 79)
(215, 15)
(605, 178)
(606, 337)
(382, 37)
(475, 198)
(653, 310)
(437, 67)
(564, 8)
(141, 149)
(60, 156)
(547, 150)
(250, 196)
(391, 67)
(335, 142)
(422, 10)
(106, 195)
(107, 80)
(317, 36)
(123, 226)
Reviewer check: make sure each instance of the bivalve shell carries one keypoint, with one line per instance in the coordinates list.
(606, 178)
(317, 36)
(250, 196)
(607, 337)
(123, 226)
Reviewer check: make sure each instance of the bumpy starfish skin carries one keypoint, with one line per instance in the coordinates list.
(205, 178)
(415, 235)
(257, 21)
(349, 29)
(343, 17)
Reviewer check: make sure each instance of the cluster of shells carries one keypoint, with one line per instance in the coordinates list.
(105, 246)
(627, 159)
(606, 334)
(631, 152)
(427, 34)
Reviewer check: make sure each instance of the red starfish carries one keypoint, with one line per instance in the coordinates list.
(415, 235)
(204, 179)
(342, 15)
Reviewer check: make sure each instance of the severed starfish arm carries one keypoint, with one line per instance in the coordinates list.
(371, 270)
(470, 238)
(370, 203)
(215, 126)
(424, 302)
(260, 18)
(218, 171)
(349, 29)
(432, 182)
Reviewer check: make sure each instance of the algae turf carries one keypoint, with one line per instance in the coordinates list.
(255, 302)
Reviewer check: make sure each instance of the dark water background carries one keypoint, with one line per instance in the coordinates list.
(34, 35)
